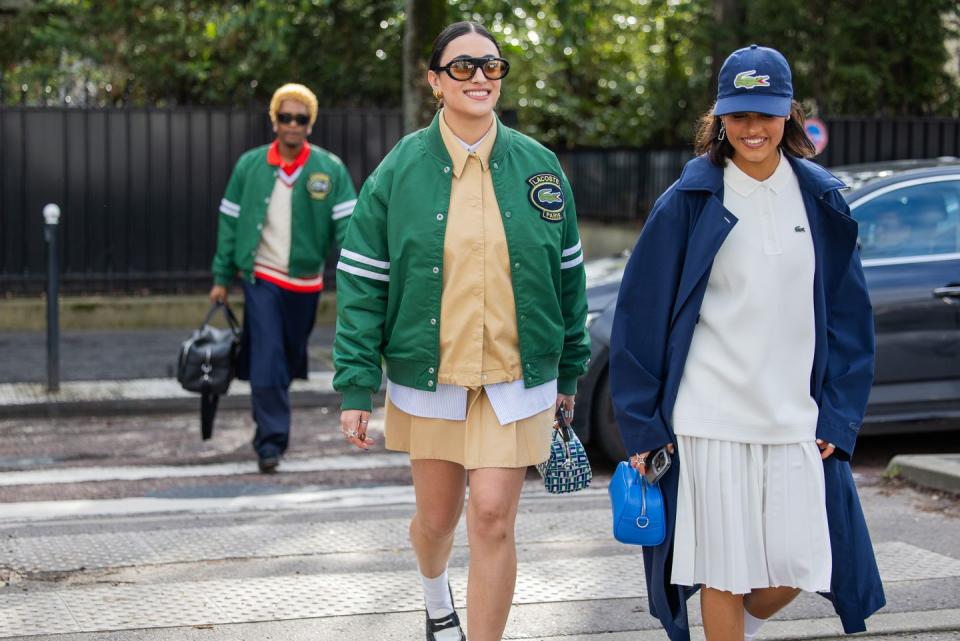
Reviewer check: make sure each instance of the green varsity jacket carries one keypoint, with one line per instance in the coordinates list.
(322, 202)
(390, 272)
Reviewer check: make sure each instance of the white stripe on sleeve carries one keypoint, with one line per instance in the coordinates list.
(347, 204)
(362, 272)
(226, 204)
(230, 212)
(572, 262)
(360, 258)
(570, 250)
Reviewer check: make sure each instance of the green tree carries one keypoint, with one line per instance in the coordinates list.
(584, 72)
(198, 51)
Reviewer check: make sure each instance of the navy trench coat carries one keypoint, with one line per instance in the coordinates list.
(657, 310)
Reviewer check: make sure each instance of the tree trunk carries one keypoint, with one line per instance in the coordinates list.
(728, 18)
(424, 20)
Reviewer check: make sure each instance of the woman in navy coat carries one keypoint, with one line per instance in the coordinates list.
(744, 343)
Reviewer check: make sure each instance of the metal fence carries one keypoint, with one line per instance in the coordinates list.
(858, 140)
(139, 188)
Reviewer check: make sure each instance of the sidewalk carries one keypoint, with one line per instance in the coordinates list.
(109, 372)
(124, 371)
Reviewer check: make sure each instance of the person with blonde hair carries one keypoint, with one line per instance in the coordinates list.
(284, 206)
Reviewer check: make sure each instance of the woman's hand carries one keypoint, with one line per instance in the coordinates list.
(566, 401)
(637, 461)
(826, 449)
(218, 294)
(353, 424)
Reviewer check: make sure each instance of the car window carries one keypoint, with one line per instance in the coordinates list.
(920, 220)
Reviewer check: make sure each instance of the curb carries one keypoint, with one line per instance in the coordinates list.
(144, 396)
(935, 471)
(889, 625)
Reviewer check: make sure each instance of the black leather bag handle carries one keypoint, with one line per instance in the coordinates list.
(227, 313)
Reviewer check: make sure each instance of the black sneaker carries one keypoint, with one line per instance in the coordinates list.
(268, 464)
(449, 622)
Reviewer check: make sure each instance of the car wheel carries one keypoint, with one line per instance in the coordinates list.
(605, 424)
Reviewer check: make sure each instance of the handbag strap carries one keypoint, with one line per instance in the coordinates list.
(227, 313)
(208, 411)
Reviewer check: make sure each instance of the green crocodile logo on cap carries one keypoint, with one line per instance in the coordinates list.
(746, 80)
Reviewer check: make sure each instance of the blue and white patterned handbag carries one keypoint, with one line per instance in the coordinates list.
(568, 469)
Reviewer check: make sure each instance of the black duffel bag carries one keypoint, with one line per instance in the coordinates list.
(207, 363)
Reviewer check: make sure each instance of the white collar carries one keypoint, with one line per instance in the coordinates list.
(471, 148)
(740, 182)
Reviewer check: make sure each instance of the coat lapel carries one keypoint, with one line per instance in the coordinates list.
(709, 227)
(709, 232)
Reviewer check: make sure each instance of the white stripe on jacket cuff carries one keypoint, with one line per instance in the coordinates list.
(570, 250)
(362, 272)
(360, 258)
(230, 212)
(226, 204)
(572, 263)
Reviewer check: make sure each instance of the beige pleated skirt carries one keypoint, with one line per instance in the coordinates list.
(477, 442)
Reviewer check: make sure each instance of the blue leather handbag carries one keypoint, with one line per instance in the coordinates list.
(638, 515)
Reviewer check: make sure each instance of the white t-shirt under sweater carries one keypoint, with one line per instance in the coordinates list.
(747, 375)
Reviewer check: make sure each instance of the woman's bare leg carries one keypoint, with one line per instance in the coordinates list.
(491, 517)
(439, 488)
(763, 603)
(722, 615)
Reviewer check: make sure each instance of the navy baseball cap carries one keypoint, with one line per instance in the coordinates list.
(755, 79)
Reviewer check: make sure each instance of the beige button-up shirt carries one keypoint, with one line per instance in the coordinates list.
(479, 344)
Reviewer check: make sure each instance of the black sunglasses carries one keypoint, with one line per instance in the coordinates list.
(464, 68)
(285, 119)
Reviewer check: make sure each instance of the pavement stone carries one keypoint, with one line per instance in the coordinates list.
(935, 471)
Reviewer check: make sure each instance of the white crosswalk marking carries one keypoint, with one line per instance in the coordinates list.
(132, 472)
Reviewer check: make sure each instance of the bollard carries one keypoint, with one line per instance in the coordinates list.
(51, 216)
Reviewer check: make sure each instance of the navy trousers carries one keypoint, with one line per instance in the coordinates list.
(276, 329)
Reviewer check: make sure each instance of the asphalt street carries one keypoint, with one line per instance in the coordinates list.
(132, 528)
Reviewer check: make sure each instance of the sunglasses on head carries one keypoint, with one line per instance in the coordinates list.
(285, 118)
(464, 68)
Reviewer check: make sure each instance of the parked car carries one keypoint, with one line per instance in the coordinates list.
(909, 221)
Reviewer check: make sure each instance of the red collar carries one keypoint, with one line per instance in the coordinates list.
(273, 158)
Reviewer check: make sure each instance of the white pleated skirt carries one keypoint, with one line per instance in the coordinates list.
(750, 516)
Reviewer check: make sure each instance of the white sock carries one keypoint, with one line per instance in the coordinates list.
(436, 596)
(751, 625)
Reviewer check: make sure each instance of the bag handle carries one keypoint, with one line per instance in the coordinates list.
(227, 313)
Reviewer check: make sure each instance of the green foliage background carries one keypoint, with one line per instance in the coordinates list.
(601, 72)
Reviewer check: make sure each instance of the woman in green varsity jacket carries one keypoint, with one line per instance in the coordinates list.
(462, 274)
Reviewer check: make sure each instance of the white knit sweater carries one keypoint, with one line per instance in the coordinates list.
(747, 375)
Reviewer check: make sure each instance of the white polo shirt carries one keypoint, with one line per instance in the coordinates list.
(747, 375)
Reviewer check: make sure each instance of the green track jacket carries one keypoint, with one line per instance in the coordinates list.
(390, 273)
(323, 200)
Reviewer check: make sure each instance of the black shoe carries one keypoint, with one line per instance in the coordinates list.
(451, 621)
(268, 464)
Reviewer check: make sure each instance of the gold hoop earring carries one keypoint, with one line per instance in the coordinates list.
(437, 94)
